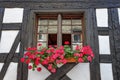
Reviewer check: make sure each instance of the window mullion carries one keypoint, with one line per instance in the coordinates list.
(59, 35)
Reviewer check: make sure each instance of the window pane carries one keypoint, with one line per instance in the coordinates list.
(76, 38)
(13, 15)
(76, 28)
(106, 71)
(43, 22)
(52, 29)
(104, 45)
(66, 29)
(66, 22)
(42, 29)
(42, 37)
(76, 22)
(119, 14)
(52, 22)
(102, 17)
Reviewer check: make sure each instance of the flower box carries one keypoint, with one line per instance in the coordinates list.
(51, 56)
(71, 60)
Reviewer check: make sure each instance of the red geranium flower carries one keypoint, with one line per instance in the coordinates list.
(66, 42)
(39, 69)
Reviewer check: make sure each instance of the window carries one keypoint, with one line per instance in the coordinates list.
(55, 29)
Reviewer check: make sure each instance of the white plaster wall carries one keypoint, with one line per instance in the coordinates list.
(7, 40)
(1, 65)
(102, 17)
(11, 73)
(35, 75)
(13, 15)
(119, 14)
(106, 71)
(80, 72)
(104, 45)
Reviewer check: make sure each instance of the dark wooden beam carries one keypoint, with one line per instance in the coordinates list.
(23, 68)
(105, 59)
(1, 19)
(65, 78)
(4, 55)
(11, 26)
(61, 72)
(114, 41)
(103, 30)
(60, 4)
(9, 57)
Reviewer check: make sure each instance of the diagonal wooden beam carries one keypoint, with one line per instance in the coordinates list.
(61, 72)
(9, 57)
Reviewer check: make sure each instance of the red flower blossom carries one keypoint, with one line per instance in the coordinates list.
(39, 69)
(50, 66)
(27, 61)
(66, 42)
(29, 67)
(53, 70)
(80, 60)
(39, 44)
(22, 59)
(89, 58)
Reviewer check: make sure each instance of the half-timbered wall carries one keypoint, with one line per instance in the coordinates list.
(102, 30)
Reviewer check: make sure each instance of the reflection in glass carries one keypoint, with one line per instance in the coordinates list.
(66, 22)
(66, 29)
(76, 22)
(76, 38)
(43, 22)
(44, 44)
(42, 29)
(52, 22)
(52, 29)
(76, 28)
(42, 37)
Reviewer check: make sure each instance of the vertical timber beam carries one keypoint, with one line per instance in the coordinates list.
(92, 40)
(22, 68)
(114, 32)
(1, 19)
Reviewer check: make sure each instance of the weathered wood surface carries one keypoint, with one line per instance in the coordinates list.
(60, 4)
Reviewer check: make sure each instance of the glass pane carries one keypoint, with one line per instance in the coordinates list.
(43, 22)
(119, 14)
(80, 72)
(104, 45)
(7, 40)
(11, 73)
(42, 29)
(35, 75)
(75, 44)
(13, 15)
(76, 28)
(76, 38)
(52, 22)
(52, 29)
(66, 22)
(102, 17)
(42, 37)
(76, 22)
(106, 71)
(66, 29)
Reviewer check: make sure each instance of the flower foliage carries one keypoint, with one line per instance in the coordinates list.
(51, 56)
